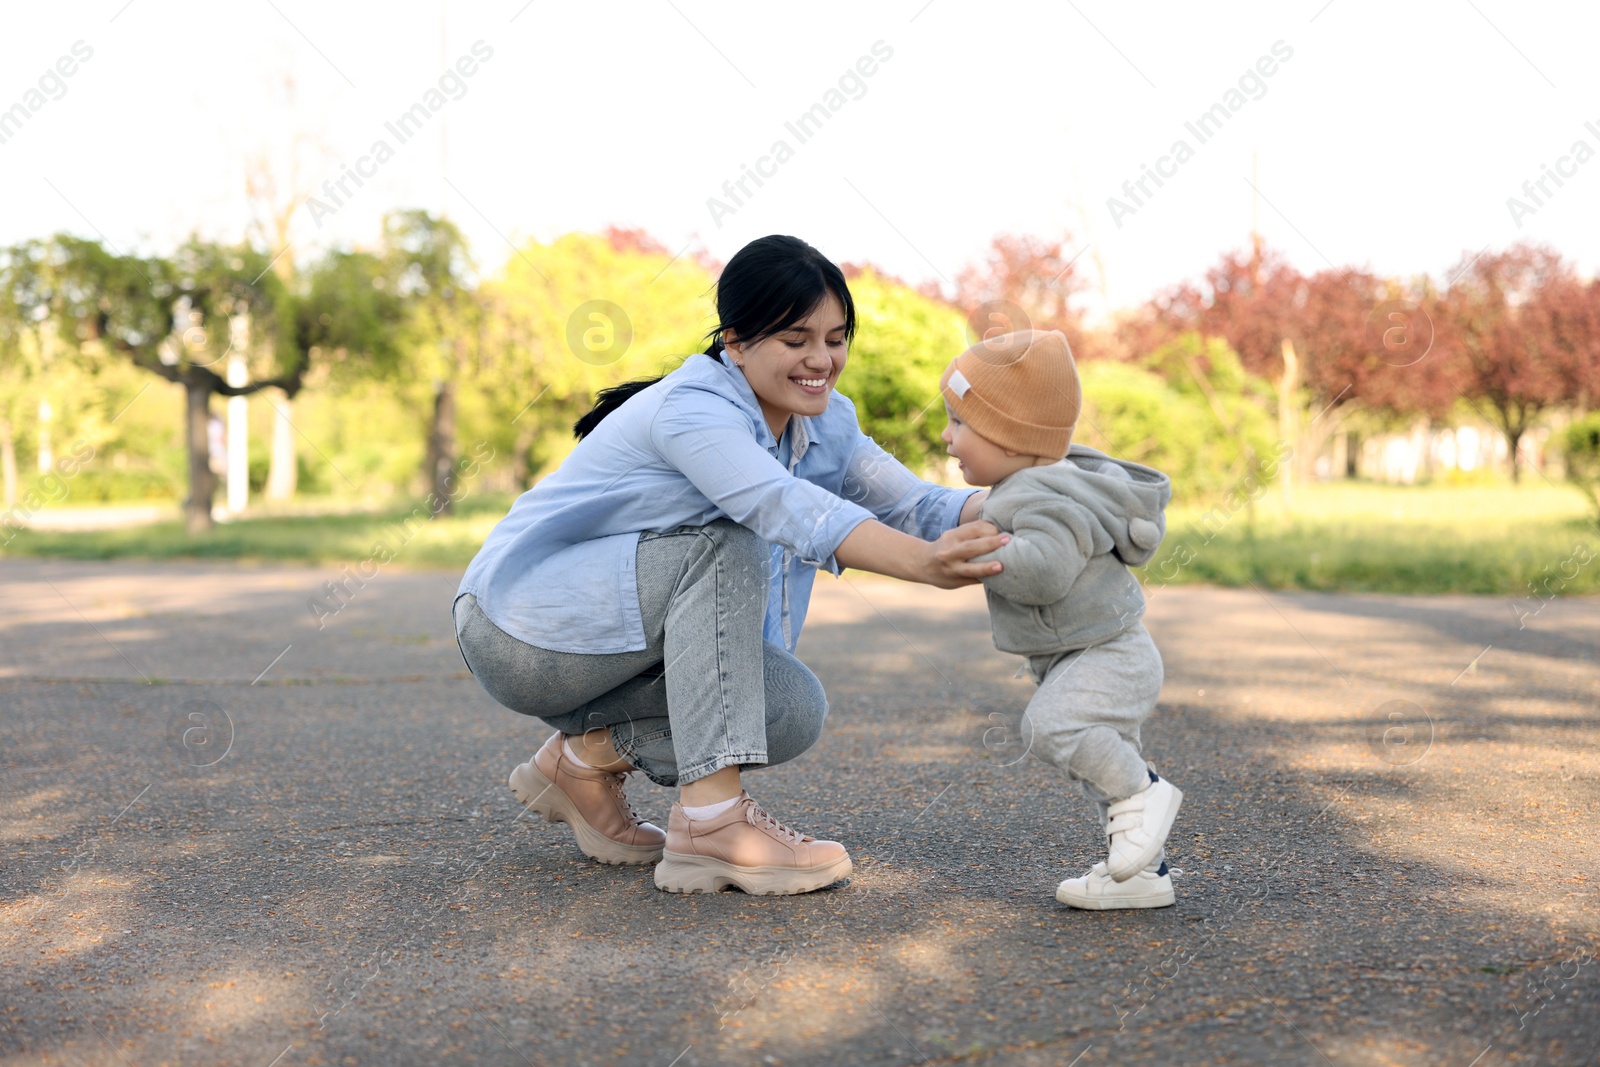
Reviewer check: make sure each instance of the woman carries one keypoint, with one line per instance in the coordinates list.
(645, 599)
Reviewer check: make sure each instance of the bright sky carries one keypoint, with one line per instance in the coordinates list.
(1388, 136)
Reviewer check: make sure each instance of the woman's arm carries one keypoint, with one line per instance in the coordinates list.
(945, 563)
(974, 505)
(707, 440)
(896, 497)
(713, 445)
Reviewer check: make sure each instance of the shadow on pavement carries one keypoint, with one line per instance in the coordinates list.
(351, 882)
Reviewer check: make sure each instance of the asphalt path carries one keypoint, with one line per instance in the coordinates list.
(234, 837)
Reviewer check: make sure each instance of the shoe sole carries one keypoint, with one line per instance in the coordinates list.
(539, 794)
(1162, 899)
(1127, 868)
(680, 873)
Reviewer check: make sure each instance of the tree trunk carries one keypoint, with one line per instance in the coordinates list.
(238, 415)
(1514, 421)
(521, 458)
(1339, 466)
(46, 459)
(8, 462)
(442, 447)
(202, 482)
(1327, 432)
(238, 431)
(1289, 423)
(283, 473)
(1422, 430)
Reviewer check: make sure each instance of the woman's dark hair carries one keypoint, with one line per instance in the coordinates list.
(769, 285)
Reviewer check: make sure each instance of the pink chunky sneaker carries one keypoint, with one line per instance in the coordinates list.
(590, 801)
(747, 848)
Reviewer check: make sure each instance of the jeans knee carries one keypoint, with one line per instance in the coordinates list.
(796, 722)
(814, 716)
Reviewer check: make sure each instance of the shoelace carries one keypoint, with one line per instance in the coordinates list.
(615, 780)
(758, 817)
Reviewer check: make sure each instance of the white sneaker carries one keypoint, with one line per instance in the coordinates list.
(1138, 828)
(1096, 891)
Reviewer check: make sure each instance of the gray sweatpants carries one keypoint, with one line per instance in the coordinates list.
(1086, 715)
(705, 693)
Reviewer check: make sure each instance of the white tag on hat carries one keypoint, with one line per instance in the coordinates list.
(959, 384)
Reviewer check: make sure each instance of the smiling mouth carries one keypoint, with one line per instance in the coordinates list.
(811, 383)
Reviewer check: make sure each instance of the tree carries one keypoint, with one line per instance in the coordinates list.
(276, 187)
(1582, 448)
(350, 324)
(1519, 331)
(1369, 346)
(1368, 342)
(22, 345)
(1188, 408)
(1255, 302)
(429, 270)
(1024, 283)
(171, 318)
(44, 382)
(1332, 342)
(566, 319)
(903, 341)
(350, 315)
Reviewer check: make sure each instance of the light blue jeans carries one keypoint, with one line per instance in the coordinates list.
(706, 692)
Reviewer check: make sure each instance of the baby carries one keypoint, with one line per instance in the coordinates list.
(1065, 599)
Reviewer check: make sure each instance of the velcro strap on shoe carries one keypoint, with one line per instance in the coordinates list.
(1128, 820)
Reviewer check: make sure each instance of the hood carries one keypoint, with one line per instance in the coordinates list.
(1128, 499)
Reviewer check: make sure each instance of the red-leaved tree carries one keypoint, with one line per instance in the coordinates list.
(1518, 328)
(1332, 342)
(1024, 283)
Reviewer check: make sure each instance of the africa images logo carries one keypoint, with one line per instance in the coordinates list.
(804, 127)
(52, 85)
(451, 85)
(1205, 126)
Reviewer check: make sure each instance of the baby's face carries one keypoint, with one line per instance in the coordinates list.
(982, 461)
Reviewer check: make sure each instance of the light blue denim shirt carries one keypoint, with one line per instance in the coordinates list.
(558, 570)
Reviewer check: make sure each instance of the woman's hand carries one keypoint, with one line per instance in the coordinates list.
(945, 563)
(949, 564)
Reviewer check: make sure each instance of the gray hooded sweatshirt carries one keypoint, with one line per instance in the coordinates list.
(1076, 527)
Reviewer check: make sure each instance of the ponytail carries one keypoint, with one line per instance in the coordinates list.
(769, 285)
(608, 400)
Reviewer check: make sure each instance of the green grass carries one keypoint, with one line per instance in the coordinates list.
(1393, 539)
(1352, 536)
(327, 538)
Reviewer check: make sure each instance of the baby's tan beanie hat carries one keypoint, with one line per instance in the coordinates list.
(1019, 390)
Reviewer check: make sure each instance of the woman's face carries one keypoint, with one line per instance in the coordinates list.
(793, 371)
